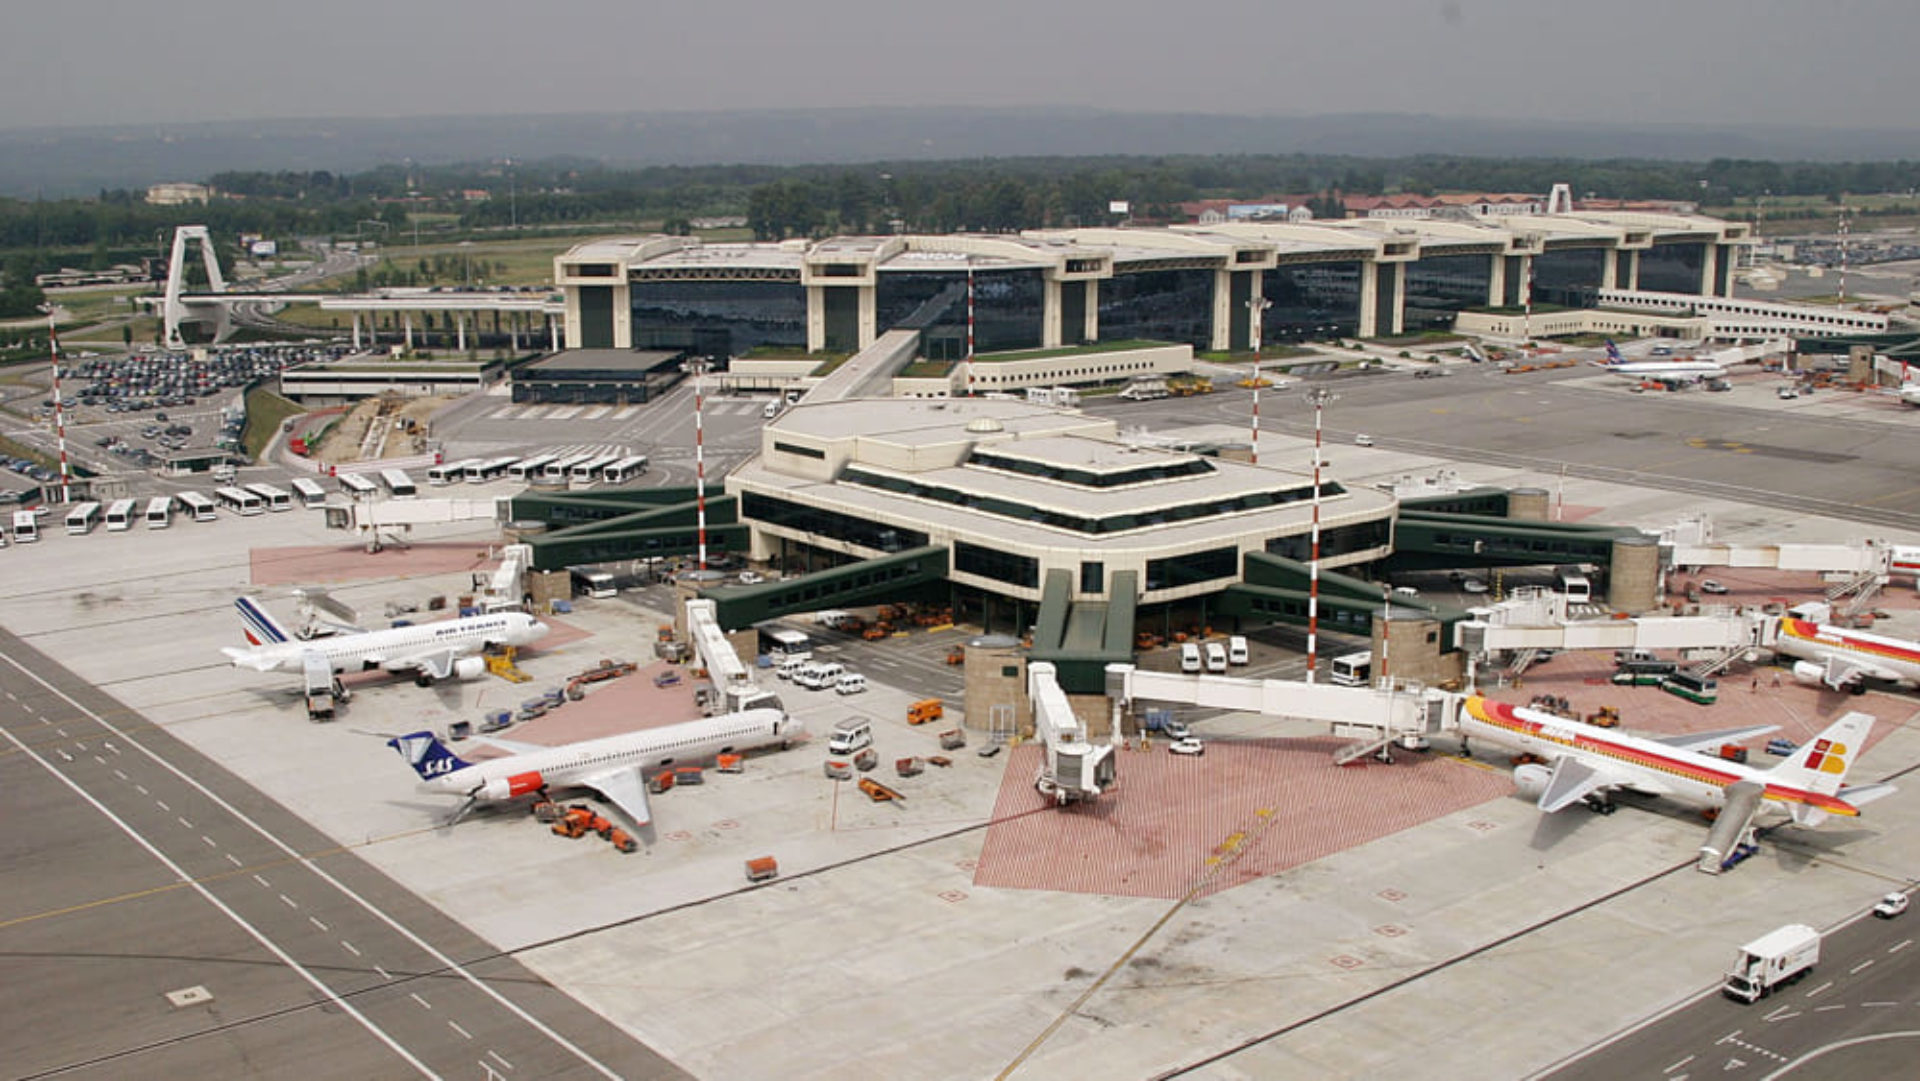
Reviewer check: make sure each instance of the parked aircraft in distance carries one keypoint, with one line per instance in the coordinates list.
(431, 651)
(1845, 659)
(1663, 369)
(1587, 763)
(613, 766)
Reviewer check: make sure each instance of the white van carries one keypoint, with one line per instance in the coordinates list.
(1237, 649)
(790, 667)
(818, 677)
(1216, 657)
(1189, 657)
(851, 683)
(770, 410)
(850, 735)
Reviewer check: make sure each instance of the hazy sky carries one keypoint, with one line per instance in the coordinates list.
(1849, 62)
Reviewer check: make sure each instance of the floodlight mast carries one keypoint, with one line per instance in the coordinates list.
(1318, 398)
(1255, 306)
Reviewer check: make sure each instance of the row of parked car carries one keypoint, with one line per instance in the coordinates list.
(820, 675)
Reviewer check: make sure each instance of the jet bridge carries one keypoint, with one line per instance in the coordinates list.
(1537, 619)
(392, 520)
(1074, 769)
(732, 680)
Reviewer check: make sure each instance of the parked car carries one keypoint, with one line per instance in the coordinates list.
(1781, 746)
(1472, 585)
(1708, 585)
(1891, 905)
(1363, 440)
(1190, 745)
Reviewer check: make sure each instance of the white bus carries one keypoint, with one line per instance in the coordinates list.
(357, 486)
(275, 499)
(309, 492)
(784, 643)
(81, 519)
(624, 470)
(439, 476)
(398, 484)
(26, 527)
(589, 471)
(239, 501)
(529, 468)
(1570, 581)
(560, 468)
(160, 512)
(480, 471)
(120, 515)
(1354, 669)
(198, 507)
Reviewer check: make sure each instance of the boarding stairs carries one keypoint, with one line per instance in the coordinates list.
(1717, 663)
(1859, 592)
(1359, 749)
(1521, 662)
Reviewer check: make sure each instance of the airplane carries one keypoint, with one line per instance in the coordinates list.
(1665, 370)
(430, 650)
(1589, 763)
(1844, 659)
(613, 766)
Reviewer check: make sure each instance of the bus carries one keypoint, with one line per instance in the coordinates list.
(528, 469)
(590, 582)
(357, 487)
(120, 515)
(160, 512)
(479, 471)
(26, 527)
(1576, 587)
(197, 507)
(309, 492)
(82, 518)
(1353, 670)
(558, 469)
(625, 469)
(589, 471)
(398, 484)
(439, 476)
(274, 499)
(239, 501)
(784, 644)
(1704, 690)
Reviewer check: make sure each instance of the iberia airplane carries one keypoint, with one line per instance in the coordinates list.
(1588, 763)
(1846, 659)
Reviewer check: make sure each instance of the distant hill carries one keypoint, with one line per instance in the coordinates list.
(80, 161)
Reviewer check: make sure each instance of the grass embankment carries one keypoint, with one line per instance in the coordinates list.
(266, 412)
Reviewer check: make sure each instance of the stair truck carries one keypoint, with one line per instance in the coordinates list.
(1773, 960)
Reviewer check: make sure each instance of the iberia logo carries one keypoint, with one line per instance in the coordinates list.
(1828, 757)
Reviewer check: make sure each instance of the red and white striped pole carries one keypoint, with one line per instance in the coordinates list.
(969, 315)
(1318, 398)
(1256, 306)
(59, 412)
(700, 454)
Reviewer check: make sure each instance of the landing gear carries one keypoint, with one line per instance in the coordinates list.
(1601, 805)
(423, 680)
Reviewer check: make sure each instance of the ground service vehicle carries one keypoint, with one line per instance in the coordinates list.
(850, 735)
(591, 583)
(1352, 670)
(1891, 905)
(309, 492)
(1574, 585)
(1778, 957)
(851, 683)
(818, 676)
(81, 519)
(927, 709)
(1189, 657)
(357, 486)
(26, 527)
(160, 512)
(1216, 657)
(1188, 746)
(120, 515)
(1237, 649)
(1704, 690)
(1643, 672)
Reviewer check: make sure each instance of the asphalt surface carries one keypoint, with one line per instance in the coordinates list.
(140, 870)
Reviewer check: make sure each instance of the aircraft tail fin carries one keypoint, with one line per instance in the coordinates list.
(1820, 765)
(427, 755)
(1613, 353)
(259, 626)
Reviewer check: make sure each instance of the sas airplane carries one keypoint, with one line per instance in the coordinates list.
(430, 650)
(1665, 369)
(1844, 659)
(1586, 763)
(614, 766)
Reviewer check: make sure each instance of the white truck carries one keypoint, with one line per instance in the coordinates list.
(1776, 958)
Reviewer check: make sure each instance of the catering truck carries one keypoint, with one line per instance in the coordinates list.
(1774, 959)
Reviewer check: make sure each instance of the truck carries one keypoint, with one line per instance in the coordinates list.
(324, 693)
(1775, 959)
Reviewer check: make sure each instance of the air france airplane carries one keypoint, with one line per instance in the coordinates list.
(430, 650)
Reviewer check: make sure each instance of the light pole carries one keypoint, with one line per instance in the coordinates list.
(1318, 398)
(59, 408)
(699, 453)
(1256, 306)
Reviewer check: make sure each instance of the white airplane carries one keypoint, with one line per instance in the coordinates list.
(430, 650)
(1844, 659)
(615, 766)
(1663, 370)
(1588, 763)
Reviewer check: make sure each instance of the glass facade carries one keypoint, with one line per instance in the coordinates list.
(1672, 268)
(1334, 542)
(1311, 301)
(1093, 577)
(865, 532)
(1008, 309)
(1193, 568)
(1015, 570)
(1568, 276)
(718, 318)
(1440, 286)
(1158, 305)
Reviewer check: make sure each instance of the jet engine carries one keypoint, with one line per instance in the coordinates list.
(517, 785)
(470, 667)
(1809, 672)
(1531, 779)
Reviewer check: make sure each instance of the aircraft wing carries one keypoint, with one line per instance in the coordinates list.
(437, 663)
(1574, 779)
(1860, 795)
(510, 746)
(1711, 741)
(257, 659)
(624, 789)
(1843, 669)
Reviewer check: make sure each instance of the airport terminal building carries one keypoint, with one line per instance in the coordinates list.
(1201, 285)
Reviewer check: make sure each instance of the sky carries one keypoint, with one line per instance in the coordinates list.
(84, 62)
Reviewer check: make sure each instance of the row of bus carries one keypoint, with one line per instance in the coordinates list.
(557, 467)
(121, 515)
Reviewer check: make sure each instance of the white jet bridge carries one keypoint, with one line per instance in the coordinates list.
(1073, 769)
(733, 683)
(392, 520)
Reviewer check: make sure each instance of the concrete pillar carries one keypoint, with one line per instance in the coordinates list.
(1093, 310)
(406, 320)
(623, 316)
(1709, 267)
(513, 329)
(1398, 314)
(1369, 300)
(1633, 576)
(869, 314)
(1221, 340)
(460, 329)
(1496, 280)
(356, 332)
(1527, 504)
(1610, 269)
(553, 334)
(1633, 270)
(816, 318)
(1050, 336)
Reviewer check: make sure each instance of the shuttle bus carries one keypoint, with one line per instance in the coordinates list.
(589, 471)
(479, 471)
(1353, 670)
(784, 643)
(1570, 581)
(239, 501)
(274, 499)
(558, 469)
(528, 469)
(439, 476)
(624, 470)
(120, 515)
(198, 507)
(26, 527)
(357, 487)
(398, 484)
(160, 512)
(309, 492)
(82, 518)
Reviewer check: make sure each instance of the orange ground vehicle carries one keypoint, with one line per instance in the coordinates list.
(927, 709)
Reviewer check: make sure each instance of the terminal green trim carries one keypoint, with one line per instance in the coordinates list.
(870, 581)
(1081, 638)
(552, 553)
